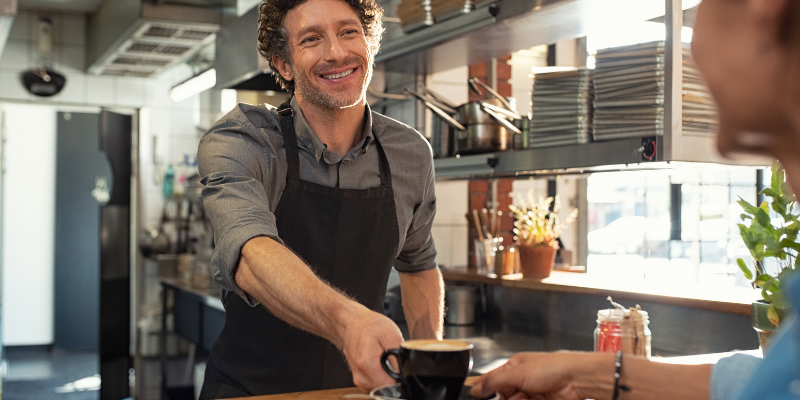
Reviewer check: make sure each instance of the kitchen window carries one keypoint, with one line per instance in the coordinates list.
(675, 225)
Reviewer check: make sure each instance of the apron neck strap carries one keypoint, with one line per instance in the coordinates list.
(286, 115)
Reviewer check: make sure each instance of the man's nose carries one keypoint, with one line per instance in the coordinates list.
(335, 50)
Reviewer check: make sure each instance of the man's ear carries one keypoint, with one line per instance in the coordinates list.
(283, 67)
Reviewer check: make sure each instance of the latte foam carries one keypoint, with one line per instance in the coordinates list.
(436, 345)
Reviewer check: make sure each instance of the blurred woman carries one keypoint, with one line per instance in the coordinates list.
(749, 53)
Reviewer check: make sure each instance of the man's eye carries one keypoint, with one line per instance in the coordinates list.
(350, 32)
(308, 40)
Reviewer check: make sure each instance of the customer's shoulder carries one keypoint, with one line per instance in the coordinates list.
(399, 136)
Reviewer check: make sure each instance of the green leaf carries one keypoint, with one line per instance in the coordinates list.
(772, 315)
(747, 273)
(790, 244)
(745, 217)
(761, 280)
(761, 216)
(777, 177)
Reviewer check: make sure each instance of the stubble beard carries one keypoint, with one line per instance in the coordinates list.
(315, 95)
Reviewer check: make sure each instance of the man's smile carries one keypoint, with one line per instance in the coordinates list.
(339, 75)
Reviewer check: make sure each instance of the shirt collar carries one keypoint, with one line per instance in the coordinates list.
(309, 140)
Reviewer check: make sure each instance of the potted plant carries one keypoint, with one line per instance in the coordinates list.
(536, 228)
(770, 239)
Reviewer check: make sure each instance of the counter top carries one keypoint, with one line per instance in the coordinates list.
(734, 300)
(210, 296)
(332, 394)
(338, 394)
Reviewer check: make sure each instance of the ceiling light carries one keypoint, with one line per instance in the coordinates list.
(194, 85)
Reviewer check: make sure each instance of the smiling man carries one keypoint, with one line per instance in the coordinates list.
(312, 204)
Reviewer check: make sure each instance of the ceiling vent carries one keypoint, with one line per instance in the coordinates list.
(142, 39)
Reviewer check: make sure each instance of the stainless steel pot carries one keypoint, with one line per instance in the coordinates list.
(484, 121)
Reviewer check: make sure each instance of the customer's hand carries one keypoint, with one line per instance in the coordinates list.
(536, 375)
(364, 341)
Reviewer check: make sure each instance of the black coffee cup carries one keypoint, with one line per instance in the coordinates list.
(430, 369)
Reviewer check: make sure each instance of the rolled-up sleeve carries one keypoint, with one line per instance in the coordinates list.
(232, 165)
(730, 375)
(419, 251)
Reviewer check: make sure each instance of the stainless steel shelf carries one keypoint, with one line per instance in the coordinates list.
(579, 158)
(508, 26)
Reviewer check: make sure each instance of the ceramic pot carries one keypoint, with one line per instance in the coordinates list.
(761, 323)
(536, 261)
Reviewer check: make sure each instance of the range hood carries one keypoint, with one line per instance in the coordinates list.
(238, 64)
(8, 10)
(142, 38)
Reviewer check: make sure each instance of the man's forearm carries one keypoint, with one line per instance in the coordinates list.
(287, 287)
(423, 303)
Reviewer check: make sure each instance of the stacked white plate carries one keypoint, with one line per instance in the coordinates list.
(629, 93)
(562, 108)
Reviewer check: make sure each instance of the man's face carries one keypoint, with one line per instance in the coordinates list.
(331, 63)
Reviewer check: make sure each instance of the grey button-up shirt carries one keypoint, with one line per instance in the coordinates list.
(242, 162)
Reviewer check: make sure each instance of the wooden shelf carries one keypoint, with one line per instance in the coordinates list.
(727, 300)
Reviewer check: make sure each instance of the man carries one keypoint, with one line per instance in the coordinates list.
(312, 204)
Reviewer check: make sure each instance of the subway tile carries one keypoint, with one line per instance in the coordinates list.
(73, 30)
(99, 90)
(457, 93)
(20, 29)
(157, 93)
(72, 58)
(453, 75)
(454, 196)
(74, 90)
(11, 87)
(15, 56)
(459, 244)
(129, 92)
(184, 123)
(442, 237)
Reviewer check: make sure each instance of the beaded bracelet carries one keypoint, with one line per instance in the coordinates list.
(617, 374)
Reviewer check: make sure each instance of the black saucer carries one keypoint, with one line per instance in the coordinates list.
(392, 392)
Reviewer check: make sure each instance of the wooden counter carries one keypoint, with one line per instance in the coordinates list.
(332, 394)
(734, 300)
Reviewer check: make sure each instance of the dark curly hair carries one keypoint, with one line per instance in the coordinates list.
(272, 33)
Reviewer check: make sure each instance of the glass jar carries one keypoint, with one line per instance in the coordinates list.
(609, 336)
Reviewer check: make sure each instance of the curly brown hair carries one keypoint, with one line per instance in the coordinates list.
(272, 33)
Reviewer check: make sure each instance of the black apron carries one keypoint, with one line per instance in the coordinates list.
(349, 237)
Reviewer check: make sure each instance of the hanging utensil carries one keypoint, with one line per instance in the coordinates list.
(494, 93)
(502, 121)
(442, 114)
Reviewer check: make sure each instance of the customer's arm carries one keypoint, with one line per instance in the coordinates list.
(420, 280)
(576, 375)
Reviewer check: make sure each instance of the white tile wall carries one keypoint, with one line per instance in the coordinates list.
(100, 90)
(450, 231)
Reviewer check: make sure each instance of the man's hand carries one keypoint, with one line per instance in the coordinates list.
(365, 339)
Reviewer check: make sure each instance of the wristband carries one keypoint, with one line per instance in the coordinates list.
(617, 374)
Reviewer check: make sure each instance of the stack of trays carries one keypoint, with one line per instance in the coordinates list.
(699, 111)
(562, 108)
(629, 93)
